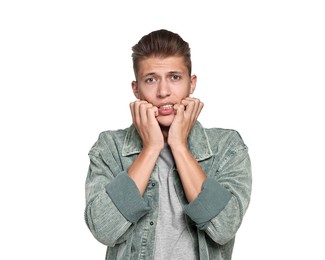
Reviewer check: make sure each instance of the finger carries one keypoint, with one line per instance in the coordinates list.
(200, 107)
(143, 107)
(197, 109)
(152, 113)
(156, 111)
(137, 110)
(180, 111)
(188, 101)
(189, 106)
(132, 110)
(193, 107)
(176, 107)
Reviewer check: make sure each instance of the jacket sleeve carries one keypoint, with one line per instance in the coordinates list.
(113, 202)
(220, 207)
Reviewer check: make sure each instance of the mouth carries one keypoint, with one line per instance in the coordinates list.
(166, 109)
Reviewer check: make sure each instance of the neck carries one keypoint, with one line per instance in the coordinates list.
(165, 131)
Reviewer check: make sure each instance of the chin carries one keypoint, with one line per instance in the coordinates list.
(165, 121)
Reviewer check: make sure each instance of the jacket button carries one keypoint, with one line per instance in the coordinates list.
(151, 223)
(153, 184)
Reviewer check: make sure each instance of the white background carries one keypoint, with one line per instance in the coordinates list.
(65, 73)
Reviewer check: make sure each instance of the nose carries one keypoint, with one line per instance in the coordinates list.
(163, 89)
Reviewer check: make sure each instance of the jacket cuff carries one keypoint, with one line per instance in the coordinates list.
(209, 203)
(126, 196)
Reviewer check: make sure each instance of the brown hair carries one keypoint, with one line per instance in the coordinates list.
(161, 43)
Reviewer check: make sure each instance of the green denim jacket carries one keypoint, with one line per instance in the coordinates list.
(119, 217)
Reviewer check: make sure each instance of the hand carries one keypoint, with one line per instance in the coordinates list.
(144, 118)
(187, 113)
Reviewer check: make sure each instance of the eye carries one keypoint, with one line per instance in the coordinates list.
(175, 77)
(150, 80)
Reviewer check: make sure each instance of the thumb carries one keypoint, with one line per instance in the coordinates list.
(179, 108)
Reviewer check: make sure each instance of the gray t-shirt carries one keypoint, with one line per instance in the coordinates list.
(173, 240)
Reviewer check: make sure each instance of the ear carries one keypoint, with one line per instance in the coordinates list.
(193, 83)
(135, 89)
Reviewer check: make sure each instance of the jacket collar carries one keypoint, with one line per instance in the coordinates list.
(198, 142)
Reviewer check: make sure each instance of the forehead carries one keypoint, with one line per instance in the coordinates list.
(160, 65)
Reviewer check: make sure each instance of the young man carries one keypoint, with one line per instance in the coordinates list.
(167, 188)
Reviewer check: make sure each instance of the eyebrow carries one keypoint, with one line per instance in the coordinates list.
(168, 73)
(175, 72)
(149, 74)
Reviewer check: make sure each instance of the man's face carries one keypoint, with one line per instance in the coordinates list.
(163, 82)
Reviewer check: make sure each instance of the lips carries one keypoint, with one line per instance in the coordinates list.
(166, 109)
